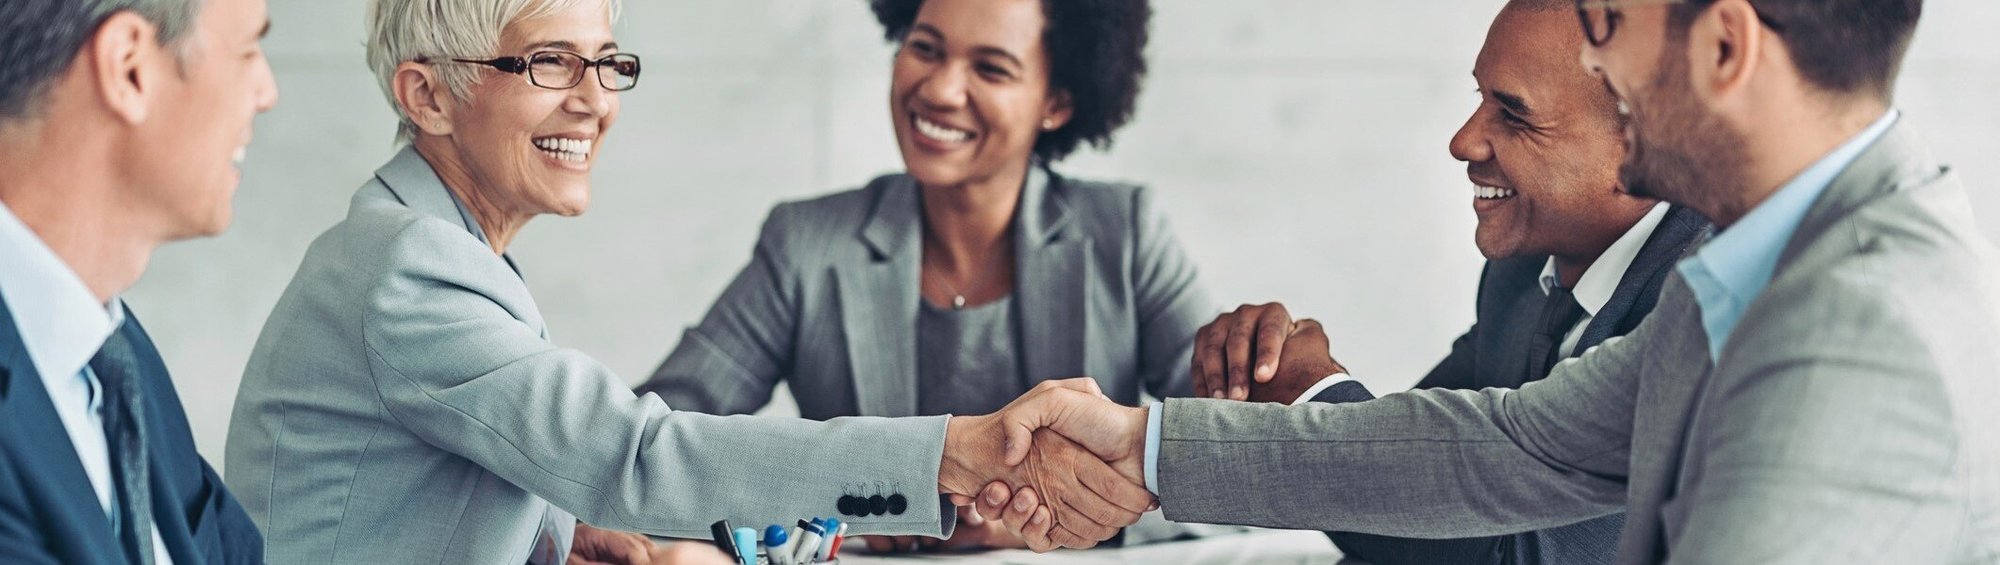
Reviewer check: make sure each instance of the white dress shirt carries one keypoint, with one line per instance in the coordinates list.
(1601, 279)
(62, 325)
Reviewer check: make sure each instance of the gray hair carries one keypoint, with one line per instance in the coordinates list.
(39, 39)
(408, 30)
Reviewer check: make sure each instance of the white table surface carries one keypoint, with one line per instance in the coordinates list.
(1264, 546)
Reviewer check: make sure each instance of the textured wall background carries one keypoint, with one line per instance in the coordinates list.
(1299, 146)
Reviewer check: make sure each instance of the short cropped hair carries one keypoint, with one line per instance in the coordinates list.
(40, 38)
(1097, 54)
(1846, 47)
(409, 30)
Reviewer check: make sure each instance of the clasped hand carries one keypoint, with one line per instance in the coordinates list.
(1061, 466)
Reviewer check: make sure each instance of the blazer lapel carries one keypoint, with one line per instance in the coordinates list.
(26, 404)
(1638, 290)
(1053, 273)
(879, 301)
(1897, 161)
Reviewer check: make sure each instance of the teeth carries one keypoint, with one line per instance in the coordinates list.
(939, 132)
(237, 157)
(1490, 192)
(572, 150)
(1624, 110)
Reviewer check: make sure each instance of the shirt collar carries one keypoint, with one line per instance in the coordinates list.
(62, 325)
(1728, 272)
(1743, 256)
(1599, 281)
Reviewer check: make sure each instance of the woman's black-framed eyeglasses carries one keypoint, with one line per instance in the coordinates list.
(563, 70)
(1600, 17)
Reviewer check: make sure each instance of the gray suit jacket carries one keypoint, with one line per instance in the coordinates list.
(828, 304)
(404, 405)
(1850, 419)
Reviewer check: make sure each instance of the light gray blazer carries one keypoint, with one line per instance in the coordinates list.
(404, 405)
(1854, 416)
(828, 303)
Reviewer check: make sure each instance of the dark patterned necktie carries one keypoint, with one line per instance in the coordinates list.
(117, 369)
(1559, 314)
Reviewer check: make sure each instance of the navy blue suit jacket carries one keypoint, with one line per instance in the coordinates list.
(48, 511)
(1494, 354)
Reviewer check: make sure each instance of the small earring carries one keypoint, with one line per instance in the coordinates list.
(1048, 124)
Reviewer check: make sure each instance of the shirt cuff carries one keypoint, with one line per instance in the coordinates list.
(1153, 447)
(1321, 386)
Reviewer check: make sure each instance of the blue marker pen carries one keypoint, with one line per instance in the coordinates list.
(774, 545)
(746, 545)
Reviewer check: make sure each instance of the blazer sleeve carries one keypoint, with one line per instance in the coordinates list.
(1170, 303)
(455, 367)
(732, 361)
(1428, 463)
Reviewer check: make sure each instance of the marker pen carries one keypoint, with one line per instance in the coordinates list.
(808, 542)
(746, 545)
(833, 527)
(839, 537)
(724, 537)
(774, 545)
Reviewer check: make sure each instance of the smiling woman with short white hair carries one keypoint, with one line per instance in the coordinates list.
(404, 403)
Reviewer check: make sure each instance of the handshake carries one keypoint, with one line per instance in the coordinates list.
(1070, 466)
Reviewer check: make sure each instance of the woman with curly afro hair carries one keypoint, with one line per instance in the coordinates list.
(956, 285)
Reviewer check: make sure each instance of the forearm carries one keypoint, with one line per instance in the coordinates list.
(1429, 464)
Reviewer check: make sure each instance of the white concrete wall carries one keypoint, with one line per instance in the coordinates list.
(1299, 146)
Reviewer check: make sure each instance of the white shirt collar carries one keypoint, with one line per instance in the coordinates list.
(1594, 289)
(61, 323)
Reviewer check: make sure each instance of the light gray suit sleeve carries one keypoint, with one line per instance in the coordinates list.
(1428, 463)
(731, 362)
(455, 367)
(1831, 438)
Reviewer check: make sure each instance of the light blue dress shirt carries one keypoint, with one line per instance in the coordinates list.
(1728, 273)
(62, 326)
(1725, 275)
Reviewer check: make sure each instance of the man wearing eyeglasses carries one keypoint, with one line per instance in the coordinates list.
(1816, 384)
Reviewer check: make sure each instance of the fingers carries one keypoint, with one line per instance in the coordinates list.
(970, 516)
(993, 500)
(1209, 357)
(1272, 329)
(1236, 348)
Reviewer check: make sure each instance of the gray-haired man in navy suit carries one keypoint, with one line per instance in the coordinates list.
(1574, 259)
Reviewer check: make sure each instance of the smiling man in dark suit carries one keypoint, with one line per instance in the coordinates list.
(1575, 259)
(122, 124)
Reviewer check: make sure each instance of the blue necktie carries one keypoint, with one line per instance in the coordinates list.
(117, 368)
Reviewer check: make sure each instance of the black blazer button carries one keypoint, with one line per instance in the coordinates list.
(897, 504)
(846, 505)
(877, 506)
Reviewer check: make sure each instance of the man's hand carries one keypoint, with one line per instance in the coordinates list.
(1084, 497)
(1306, 361)
(592, 546)
(1238, 348)
(689, 553)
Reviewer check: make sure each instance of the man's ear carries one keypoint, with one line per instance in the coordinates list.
(1725, 42)
(122, 59)
(423, 97)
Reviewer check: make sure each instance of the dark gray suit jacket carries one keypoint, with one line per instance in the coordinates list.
(1494, 354)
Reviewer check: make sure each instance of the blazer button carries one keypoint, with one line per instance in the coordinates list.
(846, 505)
(897, 504)
(877, 505)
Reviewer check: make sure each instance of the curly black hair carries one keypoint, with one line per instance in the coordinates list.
(1097, 54)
